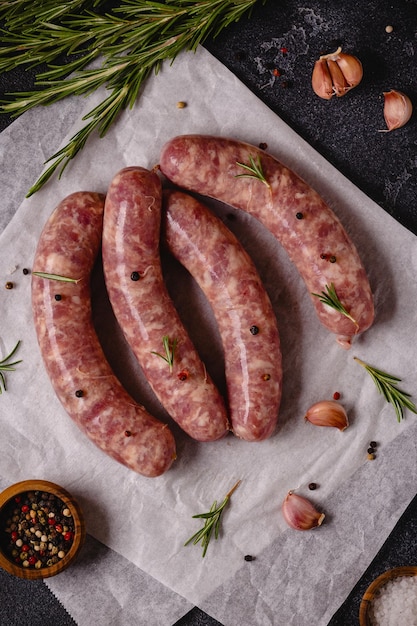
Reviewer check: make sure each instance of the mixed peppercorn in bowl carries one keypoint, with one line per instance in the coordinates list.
(41, 529)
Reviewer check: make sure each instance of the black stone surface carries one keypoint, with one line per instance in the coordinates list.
(273, 53)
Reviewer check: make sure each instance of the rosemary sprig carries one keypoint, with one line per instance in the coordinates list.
(255, 170)
(387, 385)
(132, 40)
(64, 279)
(169, 348)
(7, 366)
(211, 523)
(331, 298)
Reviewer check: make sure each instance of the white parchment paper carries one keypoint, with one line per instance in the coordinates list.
(147, 520)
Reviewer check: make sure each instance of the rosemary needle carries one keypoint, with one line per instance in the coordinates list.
(254, 170)
(7, 366)
(129, 42)
(387, 385)
(169, 348)
(63, 279)
(212, 522)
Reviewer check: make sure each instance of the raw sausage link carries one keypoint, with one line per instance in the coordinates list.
(73, 357)
(247, 324)
(295, 214)
(145, 311)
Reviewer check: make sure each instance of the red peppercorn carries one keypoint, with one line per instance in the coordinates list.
(336, 395)
(25, 548)
(183, 375)
(58, 528)
(25, 508)
(14, 536)
(276, 72)
(51, 521)
(284, 50)
(68, 535)
(32, 560)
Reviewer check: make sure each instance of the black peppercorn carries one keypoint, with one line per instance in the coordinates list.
(135, 276)
(312, 486)
(79, 393)
(373, 444)
(299, 215)
(25, 271)
(254, 330)
(58, 297)
(249, 557)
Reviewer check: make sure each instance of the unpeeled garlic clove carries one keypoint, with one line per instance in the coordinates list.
(328, 413)
(335, 74)
(397, 109)
(299, 513)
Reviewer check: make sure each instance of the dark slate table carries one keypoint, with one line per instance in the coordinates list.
(273, 54)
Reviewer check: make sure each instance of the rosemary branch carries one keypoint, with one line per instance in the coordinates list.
(132, 41)
(212, 522)
(332, 300)
(169, 348)
(7, 366)
(254, 170)
(387, 385)
(63, 279)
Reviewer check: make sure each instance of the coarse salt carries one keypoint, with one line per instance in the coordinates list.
(395, 603)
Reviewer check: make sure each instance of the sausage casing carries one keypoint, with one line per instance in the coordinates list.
(74, 360)
(145, 311)
(247, 324)
(296, 215)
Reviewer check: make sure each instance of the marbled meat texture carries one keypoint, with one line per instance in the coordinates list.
(145, 311)
(80, 374)
(296, 215)
(212, 254)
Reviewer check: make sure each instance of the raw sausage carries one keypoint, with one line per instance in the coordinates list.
(295, 214)
(145, 311)
(247, 324)
(73, 357)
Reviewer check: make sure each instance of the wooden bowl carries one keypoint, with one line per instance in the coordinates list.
(369, 595)
(12, 496)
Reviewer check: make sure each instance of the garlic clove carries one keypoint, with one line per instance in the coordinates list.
(321, 81)
(335, 74)
(340, 85)
(299, 513)
(328, 413)
(397, 109)
(351, 68)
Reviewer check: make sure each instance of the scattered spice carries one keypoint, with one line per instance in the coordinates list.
(284, 50)
(266, 377)
(263, 146)
(332, 259)
(373, 444)
(389, 28)
(249, 557)
(58, 297)
(36, 529)
(25, 271)
(181, 104)
(183, 375)
(79, 393)
(371, 456)
(312, 486)
(299, 215)
(276, 72)
(128, 433)
(254, 330)
(336, 395)
(9, 285)
(135, 276)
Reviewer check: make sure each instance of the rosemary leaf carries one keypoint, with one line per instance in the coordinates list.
(7, 366)
(64, 279)
(212, 522)
(169, 351)
(387, 386)
(131, 40)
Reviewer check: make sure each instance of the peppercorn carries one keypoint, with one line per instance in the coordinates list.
(299, 215)
(263, 146)
(25, 271)
(183, 375)
(254, 330)
(79, 393)
(336, 395)
(135, 276)
(58, 297)
(9, 285)
(332, 259)
(181, 105)
(128, 433)
(373, 444)
(249, 557)
(266, 377)
(312, 486)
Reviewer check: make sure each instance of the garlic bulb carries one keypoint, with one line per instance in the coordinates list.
(335, 74)
(397, 109)
(328, 413)
(299, 513)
